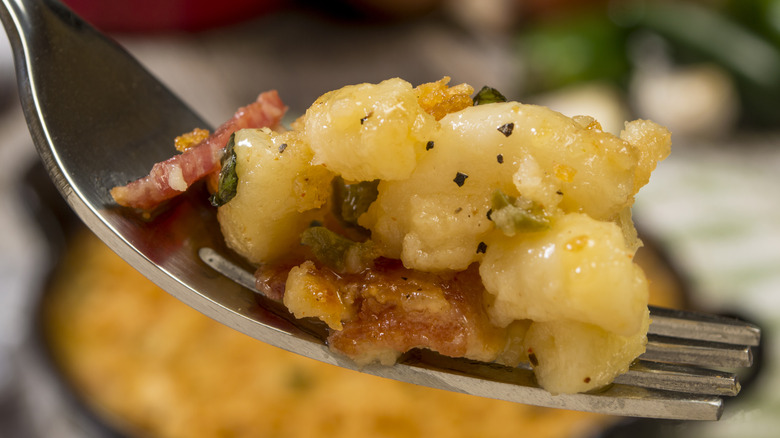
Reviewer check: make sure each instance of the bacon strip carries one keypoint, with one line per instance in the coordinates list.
(393, 309)
(173, 176)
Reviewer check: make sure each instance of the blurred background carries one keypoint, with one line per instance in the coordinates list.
(707, 69)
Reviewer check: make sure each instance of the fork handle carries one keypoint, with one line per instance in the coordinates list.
(36, 30)
(24, 19)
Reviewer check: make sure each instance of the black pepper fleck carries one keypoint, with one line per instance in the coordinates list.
(460, 179)
(500, 158)
(506, 129)
(532, 358)
(366, 118)
(429, 145)
(481, 248)
(559, 192)
(282, 147)
(489, 213)
(458, 210)
(587, 380)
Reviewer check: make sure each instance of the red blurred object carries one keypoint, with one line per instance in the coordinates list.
(168, 15)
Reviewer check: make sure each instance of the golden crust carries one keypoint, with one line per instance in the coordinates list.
(190, 139)
(438, 99)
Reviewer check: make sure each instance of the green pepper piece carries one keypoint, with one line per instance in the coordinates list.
(488, 95)
(336, 251)
(228, 178)
(517, 215)
(352, 200)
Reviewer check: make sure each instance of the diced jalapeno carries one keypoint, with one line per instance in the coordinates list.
(517, 215)
(352, 200)
(336, 251)
(228, 179)
(488, 95)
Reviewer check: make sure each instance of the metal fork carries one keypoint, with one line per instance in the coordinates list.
(680, 376)
(99, 119)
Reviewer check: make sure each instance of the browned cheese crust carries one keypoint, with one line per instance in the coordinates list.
(387, 310)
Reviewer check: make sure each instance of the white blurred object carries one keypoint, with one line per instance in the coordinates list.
(602, 101)
(692, 101)
(484, 16)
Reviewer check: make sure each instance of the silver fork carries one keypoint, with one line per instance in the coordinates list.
(680, 376)
(99, 119)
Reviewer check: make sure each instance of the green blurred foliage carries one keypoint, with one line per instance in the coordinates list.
(593, 43)
(574, 48)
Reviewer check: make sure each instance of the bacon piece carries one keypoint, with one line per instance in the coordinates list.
(270, 279)
(173, 176)
(390, 309)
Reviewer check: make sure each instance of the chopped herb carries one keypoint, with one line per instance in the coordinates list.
(282, 147)
(500, 158)
(429, 145)
(336, 251)
(517, 215)
(506, 129)
(481, 248)
(352, 200)
(488, 95)
(460, 179)
(228, 179)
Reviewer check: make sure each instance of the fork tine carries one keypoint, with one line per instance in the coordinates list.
(699, 353)
(519, 385)
(680, 378)
(227, 268)
(703, 327)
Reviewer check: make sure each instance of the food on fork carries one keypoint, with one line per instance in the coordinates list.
(172, 177)
(421, 217)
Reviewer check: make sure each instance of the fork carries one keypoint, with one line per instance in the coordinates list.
(680, 376)
(98, 119)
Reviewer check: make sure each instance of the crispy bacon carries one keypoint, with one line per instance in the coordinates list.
(392, 309)
(173, 176)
